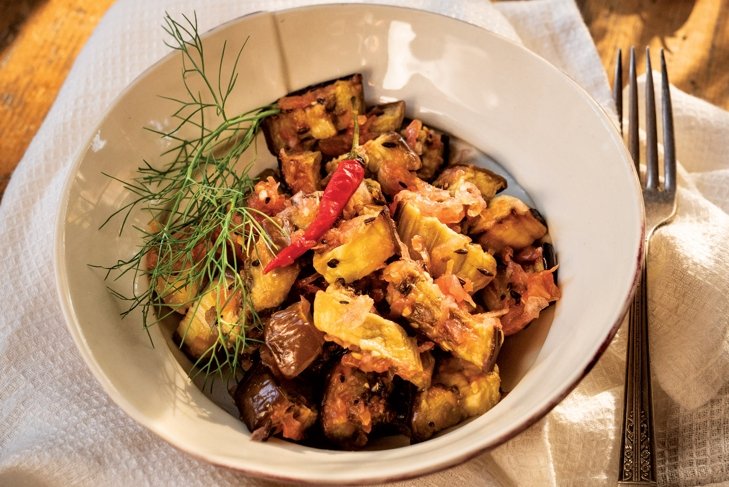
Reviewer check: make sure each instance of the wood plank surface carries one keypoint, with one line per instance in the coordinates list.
(39, 40)
(693, 33)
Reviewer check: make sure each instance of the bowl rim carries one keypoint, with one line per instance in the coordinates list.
(72, 322)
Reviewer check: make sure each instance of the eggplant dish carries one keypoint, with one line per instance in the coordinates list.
(395, 275)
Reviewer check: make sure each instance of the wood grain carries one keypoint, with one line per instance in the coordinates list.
(39, 40)
(693, 33)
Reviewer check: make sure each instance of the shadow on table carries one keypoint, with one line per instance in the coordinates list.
(659, 19)
(21, 477)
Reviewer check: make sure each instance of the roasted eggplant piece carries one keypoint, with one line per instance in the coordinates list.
(379, 119)
(354, 403)
(390, 160)
(313, 114)
(269, 406)
(292, 338)
(507, 222)
(301, 170)
(383, 118)
(378, 344)
(434, 409)
(478, 391)
(358, 247)
(488, 183)
(523, 294)
(444, 250)
(215, 312)
(267, 290)
(460, 390)
(179, 288)
(388, 148)
(428, 143)
(413, 295)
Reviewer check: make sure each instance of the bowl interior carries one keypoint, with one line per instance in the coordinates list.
(545, 131)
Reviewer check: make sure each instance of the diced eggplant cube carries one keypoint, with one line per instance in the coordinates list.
(292, 338)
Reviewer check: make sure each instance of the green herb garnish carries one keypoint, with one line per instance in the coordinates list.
(198, 203)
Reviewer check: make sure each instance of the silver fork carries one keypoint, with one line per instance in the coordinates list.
(637, 456)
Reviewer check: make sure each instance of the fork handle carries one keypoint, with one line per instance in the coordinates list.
(637, 451)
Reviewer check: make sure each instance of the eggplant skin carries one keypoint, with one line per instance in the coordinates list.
(292, 338)
(271, 407)
(354, 404)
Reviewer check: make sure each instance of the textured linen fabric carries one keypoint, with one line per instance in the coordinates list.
(58, 427)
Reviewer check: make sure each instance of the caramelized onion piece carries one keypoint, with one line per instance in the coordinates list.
(521, 292)
(487, 182)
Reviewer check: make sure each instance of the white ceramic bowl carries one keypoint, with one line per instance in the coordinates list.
(545, 130)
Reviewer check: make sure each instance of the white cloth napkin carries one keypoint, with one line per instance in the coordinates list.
(57, 426)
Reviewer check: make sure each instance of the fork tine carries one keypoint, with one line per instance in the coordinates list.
(633, 139)
(618, 87)
(669, 141)
(651, 150)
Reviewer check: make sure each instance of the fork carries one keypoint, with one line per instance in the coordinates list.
(637, 451)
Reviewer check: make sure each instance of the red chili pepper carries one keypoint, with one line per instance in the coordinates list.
(342, 185)
(289, 254)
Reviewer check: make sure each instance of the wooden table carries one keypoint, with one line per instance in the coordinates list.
(39, 40)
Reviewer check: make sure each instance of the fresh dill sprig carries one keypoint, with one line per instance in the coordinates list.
(198, 206)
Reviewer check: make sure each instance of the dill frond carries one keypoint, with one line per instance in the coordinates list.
(197, 202)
